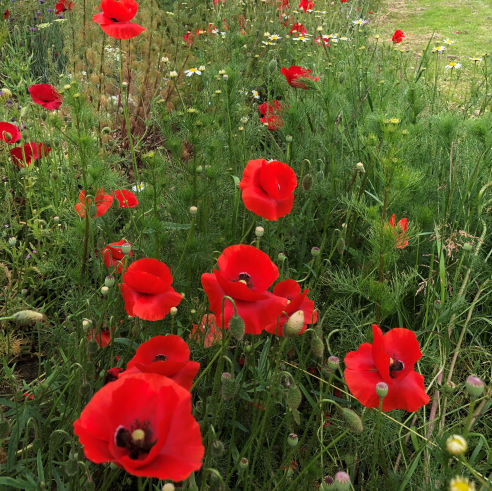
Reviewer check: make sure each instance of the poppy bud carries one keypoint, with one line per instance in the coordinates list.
(56, 219)
(104, 291)
(328, 484)
(293, 397)
(126, 248)
(243, 463)
(92, 347)
(382, 390)
(294, 324)
(333, 362)
(317, 346)
(12, 241)
(168, 487)
(228, 389)
(236, 326)
(259, 231)
(315, 251)
(26, 317)
(359, 167)
(437, 305)
(307, 182)
(71, 467)
(288, 138)
(474, 386)
(292, 440)
(281, 257)
(456, 445)
(193, 210)
(86, 324)
(109, 281)
(342, 481)
(353, 420)
(217, 448)
(173, 311)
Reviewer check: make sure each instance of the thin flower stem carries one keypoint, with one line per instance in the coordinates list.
(376, 444)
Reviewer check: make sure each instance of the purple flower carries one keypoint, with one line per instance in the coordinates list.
(50, 10)
(28, 256)
(32, 29)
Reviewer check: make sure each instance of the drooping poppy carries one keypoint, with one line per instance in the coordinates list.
(46, 95)
(306, 5)
(298, 28)
(398, 36)
(168, 356)
(268, 188)
(297, 300)
(62, 6)
(142, 423)
(244, 274)
(295, 76)
(29, 152)
(125, 198)
(101, 336)
(103, 203)
(400, 232)
(115, 16)
(9, 133)
(147, 290)
(390, 358)
(113, 256)
(207, 333)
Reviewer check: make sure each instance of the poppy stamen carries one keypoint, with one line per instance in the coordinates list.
(138, 442)
(245, 279)
(160, 357)
(395, 366)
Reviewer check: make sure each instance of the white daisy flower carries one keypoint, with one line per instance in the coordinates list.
(453, 65)
(192, 71)
(256, 94)
(301, 38)
(274, 37)
(138, 188)
(448, 41)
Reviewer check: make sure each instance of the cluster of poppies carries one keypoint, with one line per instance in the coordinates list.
(141, 420)
(103, 201)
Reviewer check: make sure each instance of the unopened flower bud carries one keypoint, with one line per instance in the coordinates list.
(307, 182)
(317, 346)
(353, 420)
(281, 257)
(124, 84)
(315, 251)
(193, 210)
(173, 74)
(228, 388)
(109, 281)
(359, 167)
(259, 231)
(71, 467)
(474, 386)
(86, 324)
(333, 362)
(56, 219)
(217, 448)
(126, 248)
(243, 463)
(293, 397)
(456, 445)
(12, 241)
(342, 481)
(328, 484)
(288, 138)
(236, 326)
(292, 440)
(173, 311)
(26, 317)
(92, 347)
(382, 389)
(168, 487)
(437, 304)
(104, 291)
(294, 324)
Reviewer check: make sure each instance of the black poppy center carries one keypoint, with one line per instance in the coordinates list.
(138, 441)
(395, 366)
(246, 279)
(114, 20)
(160, 357)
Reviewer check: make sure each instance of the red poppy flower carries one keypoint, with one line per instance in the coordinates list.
(284, 4)
(325, 40)
(102, 336)
(115, 16)
(125, 198)
(298, 28)
(9, 133)
(398, 36)
(147, 290)
(401, 237)
(295, 74)
(271, 117)
(390, 359)
(268, 188)
(103, 203)
(244, 274)
(46, 95)
(306, 5)
(29, 152)
(207, 333)
(6, 14)
(113, 256)
(142, 423)
(291, 290)
(113, 374)
(168, 356)
(343, 1)
(62, 6)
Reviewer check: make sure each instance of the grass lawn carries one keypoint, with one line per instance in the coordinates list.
(467, 23)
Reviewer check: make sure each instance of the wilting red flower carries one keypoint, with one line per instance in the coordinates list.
(291, 290)
(271, 115)
(103, 203)
(101, 336)
(401, 237)
(113, 256)
(115, 16)
(244, 274)
(46, 95)
(147, 290)
(390, 359)
(9, 133)
(306, 5)
(62, 6)
(125, 198)
(166, 355)
(207, 333)
(295, 74)
(6, 14)
(268, 188)
(29, 152)
(398, 36)
(142, 423)
(298, 28)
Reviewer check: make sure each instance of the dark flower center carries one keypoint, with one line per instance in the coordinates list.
(137, 442)
(246, 279)
(395, 366)
(114, 20)
(160, 358)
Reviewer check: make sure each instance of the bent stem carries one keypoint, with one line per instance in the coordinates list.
(377, 444)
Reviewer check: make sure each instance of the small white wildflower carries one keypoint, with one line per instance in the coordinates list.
(192, 71)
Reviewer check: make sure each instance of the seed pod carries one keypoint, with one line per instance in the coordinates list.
(317, 346)
(353, 420)
(236, 326)
(293, 397)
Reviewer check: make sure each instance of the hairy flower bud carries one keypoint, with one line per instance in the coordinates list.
(109, 281)
(317, 346)
(382, 389)
(474, 386)
(342, 481)
(228, 388)
(353, 420)
(293, 397)
(292, 440)
(236, 326)
(333, 362)
(294, 324)
(26, 317)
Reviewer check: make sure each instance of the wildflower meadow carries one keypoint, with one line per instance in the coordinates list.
(245, 244)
